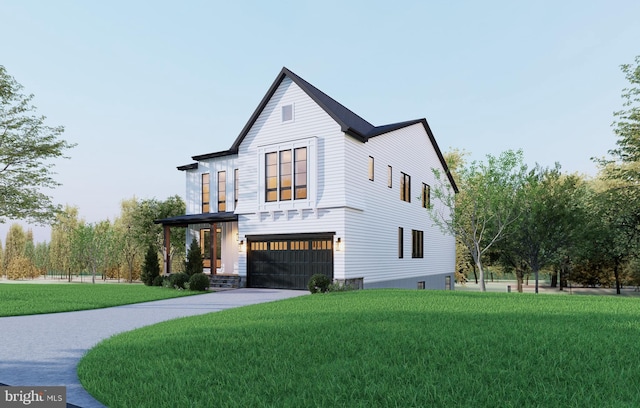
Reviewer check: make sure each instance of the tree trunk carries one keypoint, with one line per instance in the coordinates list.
(554, 278)
(536, 274)
(475, 275)
(616, 273)
(520, 278)
(483, 288)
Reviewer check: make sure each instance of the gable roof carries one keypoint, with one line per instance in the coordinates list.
(349, 122)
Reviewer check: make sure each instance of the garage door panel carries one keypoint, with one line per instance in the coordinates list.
(279, 262)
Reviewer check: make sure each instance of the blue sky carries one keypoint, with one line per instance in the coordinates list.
(141, 86)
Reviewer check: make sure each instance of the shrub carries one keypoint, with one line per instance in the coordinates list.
(199, 282)
(151, 267)
(319, 283)
(178, 280)
(158, 281)
(194, 262)
(340, 287)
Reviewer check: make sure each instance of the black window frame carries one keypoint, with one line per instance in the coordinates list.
(417, 243)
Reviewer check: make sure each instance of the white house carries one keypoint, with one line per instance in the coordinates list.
(310, 187)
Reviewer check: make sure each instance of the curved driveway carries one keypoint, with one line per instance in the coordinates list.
(45, 349)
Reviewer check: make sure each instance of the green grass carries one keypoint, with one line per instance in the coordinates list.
(27, 299)
(381, 348)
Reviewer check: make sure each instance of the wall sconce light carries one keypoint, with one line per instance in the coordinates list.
(242, 247)
(339, 244)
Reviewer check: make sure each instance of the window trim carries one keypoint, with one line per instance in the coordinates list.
(426, 196)
(371, 167)
(389, 176)
(222, 191)
(405, 187)
(400, 242)
(417, 244)
(205, 189)
(236, 187)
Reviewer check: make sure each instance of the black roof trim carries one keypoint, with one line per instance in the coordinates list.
(214, 154)
(206, 218)
(349, 122)
(191, 166)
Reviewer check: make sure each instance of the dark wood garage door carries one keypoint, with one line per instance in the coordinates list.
(288, 261)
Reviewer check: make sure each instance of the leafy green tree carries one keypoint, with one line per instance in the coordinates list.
(60, 256)
(479, 216)
(15, 244)
(151, 266)
(27, 145)
(194, 263)
(90, 246)
(41, 257)
(550, 215)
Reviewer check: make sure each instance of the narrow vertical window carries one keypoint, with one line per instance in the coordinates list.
(205, 193)
(285, 175)
(426, 195)
(389, 176)
(400, 242)
(370, 168)
(287, 113)
(205, 247)
(300, 173)
(405, 187)
(236, 188)
(417, 243)
(271, 177)
(222, 191)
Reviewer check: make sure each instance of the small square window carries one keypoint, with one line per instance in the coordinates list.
(287, 113)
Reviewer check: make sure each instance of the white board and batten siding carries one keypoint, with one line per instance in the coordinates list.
(375, 210)
(313, 128)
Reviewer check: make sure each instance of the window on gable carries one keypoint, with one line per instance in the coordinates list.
(287, 113)
(222, 191)
(205, 193)
(286, 175)
(400, 242)
(370, 168)
(300, 173)
(389, 176)
(271, 176)
(426, 195)
(417, 243)
(405, 187)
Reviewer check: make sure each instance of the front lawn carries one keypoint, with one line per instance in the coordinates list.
(26, 299)
(381, 348)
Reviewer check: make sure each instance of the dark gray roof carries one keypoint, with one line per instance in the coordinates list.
(349, 122)
(206, 218)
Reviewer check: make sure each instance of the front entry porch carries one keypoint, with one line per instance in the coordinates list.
(219, 249)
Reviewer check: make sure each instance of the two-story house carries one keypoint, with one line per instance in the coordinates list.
(310, 187)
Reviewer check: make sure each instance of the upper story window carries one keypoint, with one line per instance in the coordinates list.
(236, 188)
(286, 175)
(389, 176)
(287, 113)
(371, 168)
(426, 195)
(222, 191)
(405, 187)
(205, 193)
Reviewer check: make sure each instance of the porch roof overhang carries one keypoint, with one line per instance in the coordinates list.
(206, 218)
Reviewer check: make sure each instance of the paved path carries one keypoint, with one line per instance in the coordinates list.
(46, 349)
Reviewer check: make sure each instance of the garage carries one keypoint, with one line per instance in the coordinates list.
(288, 261)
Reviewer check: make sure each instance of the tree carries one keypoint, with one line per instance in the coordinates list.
(26, 146)
(194, 262)
(60, 246)
(90, 246)
(485, 206)
(549, 203)
(15, 244)
(151, 266)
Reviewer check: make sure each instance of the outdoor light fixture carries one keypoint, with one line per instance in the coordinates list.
(241, 246)
(339, 244)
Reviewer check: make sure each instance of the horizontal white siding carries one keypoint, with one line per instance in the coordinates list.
(372, 234)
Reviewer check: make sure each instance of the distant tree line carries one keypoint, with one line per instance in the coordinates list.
(102, 250)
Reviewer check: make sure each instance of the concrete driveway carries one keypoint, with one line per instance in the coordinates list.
(46, 349)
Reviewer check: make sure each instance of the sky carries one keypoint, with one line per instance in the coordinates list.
(141, 86)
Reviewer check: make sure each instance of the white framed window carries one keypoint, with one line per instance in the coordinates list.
(287, 175)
